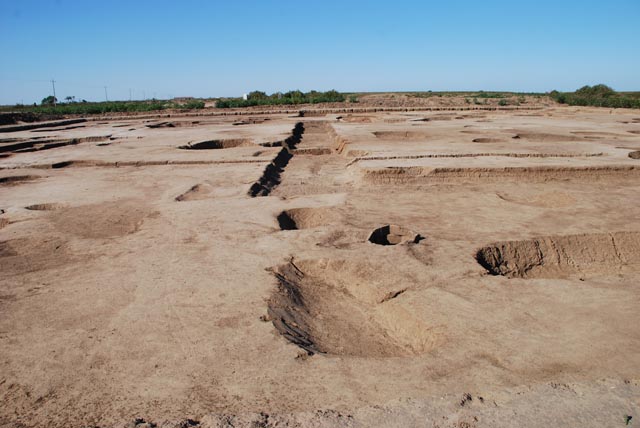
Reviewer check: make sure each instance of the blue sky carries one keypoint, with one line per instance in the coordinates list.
(225, 48)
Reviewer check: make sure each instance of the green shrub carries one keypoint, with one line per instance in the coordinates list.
(483, 94)
(596, 96)
(191, 105)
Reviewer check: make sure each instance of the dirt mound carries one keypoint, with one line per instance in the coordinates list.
(560, 256)
(4, 222)
(401, 135)
(14, 118)
(487, 140)
(392, 235)
(634, 132)
(219, 144)
(339, 307)
(304, 218)
(46, 207)
(635, 154)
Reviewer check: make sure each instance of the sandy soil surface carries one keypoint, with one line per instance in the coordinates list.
(440, 269)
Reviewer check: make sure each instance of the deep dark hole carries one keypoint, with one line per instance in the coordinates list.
(205, 145)
(379, 236)
(286, 222)
(62, 164)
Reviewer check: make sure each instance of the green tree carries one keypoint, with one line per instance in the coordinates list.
(49, 101)
(257, 95)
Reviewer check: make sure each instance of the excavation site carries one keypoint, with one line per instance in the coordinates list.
(429, 264)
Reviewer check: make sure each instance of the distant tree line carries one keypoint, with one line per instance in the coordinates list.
(48, 106)
(598, 96)
(259, 98)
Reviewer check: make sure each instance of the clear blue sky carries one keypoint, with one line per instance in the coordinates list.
(226, 48)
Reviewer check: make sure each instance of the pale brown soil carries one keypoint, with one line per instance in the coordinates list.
(452, 268)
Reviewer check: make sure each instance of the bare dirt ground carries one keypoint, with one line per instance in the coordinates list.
(474, 268)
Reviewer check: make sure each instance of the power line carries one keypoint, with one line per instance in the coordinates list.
(53, 83)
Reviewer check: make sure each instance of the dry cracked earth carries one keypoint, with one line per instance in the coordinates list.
(451, 268)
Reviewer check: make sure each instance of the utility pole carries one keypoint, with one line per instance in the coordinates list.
(129, 94)
(53, 83)
(105, 94)
(144, 95)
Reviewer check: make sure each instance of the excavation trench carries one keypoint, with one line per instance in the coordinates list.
(35, 144)
(339, 307)
(177, 124)
(53, 206)
(427, 175)
(562, 256)
(271, 175)
(196, 192)
(16, 179)
(304, 218)
(487, 140)
(219, 144)
(392, 234)
(542, 137)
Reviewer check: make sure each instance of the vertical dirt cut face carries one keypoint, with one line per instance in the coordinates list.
(392, 234)
(560, 256)
(401, 135)
(336, 307)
